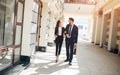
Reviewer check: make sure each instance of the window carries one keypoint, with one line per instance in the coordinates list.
(6, 22)
(80, 27)
(20, 12)
(34, 23)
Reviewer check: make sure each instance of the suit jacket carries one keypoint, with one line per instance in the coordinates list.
(74, 33)
(56, 31)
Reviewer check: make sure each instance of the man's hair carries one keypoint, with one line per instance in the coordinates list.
(71, 19)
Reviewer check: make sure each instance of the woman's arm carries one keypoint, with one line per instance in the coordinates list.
(56, 32)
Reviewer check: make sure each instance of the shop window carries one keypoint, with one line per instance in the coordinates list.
(19, 12)
(6, 22)
(18, 35)
(34, 22)
(6, 61)
(17, 55)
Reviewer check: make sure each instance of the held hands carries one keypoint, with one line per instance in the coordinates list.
(65, 32)
(67, 36)
(56, 36)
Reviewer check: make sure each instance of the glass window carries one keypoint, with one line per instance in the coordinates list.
(17, 55)
(18, 35)
(6, 58)
(34, 23)
(1, 27)
(34, 17)
(33, 38)
(34, 28)
(19, 12)
(6, 22)
(35, 7)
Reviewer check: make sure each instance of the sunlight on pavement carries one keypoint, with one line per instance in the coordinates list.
(44, 64)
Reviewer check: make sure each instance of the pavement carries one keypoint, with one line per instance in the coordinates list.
(90, 60)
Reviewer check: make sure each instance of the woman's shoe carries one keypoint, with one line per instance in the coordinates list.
(56, 59)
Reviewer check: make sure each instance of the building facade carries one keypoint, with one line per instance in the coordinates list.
(24, 29)
(106, 25)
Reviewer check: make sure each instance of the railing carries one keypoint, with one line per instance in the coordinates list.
(3, 52)
(90, 2)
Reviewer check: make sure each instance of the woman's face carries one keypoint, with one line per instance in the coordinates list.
(60, 24)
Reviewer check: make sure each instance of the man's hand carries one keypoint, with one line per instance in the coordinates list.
(67, 36)
(75, 45)
(65, 32)
(56, 36)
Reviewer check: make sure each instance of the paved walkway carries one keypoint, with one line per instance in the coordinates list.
(44, 64)
(94, 60)
(90, 60)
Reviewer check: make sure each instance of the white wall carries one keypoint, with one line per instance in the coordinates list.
(93, 30)
(51, 31)
(26, 50)
(44, 23)
(98, 29)
(83, 9)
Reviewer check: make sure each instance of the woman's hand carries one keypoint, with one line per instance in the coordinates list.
(56, 36)
(67, 36)
(65, 32)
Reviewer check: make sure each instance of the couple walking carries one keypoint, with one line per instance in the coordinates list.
(71, 36)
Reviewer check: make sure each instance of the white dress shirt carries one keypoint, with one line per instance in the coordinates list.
(70, 30)
(59, 31)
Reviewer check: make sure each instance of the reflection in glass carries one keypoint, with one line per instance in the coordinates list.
(19, 12)
(18, 35)
(1, 28)
(8, 37)
(33, 38)
(6, 22)
(35, 6)
(34, 23)
(34, 17)
(17, 55)
(7, 61)
(34, 28)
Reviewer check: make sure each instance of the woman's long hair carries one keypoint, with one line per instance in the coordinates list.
(57, 24)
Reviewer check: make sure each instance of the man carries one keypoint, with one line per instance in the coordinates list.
(71, 39)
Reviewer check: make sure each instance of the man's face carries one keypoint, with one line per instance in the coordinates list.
(70, 22)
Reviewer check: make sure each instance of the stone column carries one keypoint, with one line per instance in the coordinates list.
(103, 28)
(98, 30)
(90, 23)
(93, 30)
(26, 38)
(51, 32)
(43, 30)
(113, 31)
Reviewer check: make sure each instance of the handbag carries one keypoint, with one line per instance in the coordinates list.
(55, 41)
(74, 51)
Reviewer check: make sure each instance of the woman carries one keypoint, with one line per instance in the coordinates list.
(59, 35)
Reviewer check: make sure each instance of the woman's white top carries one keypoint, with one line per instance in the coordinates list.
(59, 31)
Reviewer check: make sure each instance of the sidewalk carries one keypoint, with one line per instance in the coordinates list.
(90, 60)
(44, 64)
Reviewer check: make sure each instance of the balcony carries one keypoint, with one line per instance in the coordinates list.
(90, 2)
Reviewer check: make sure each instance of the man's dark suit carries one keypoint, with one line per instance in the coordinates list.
(71, 41)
